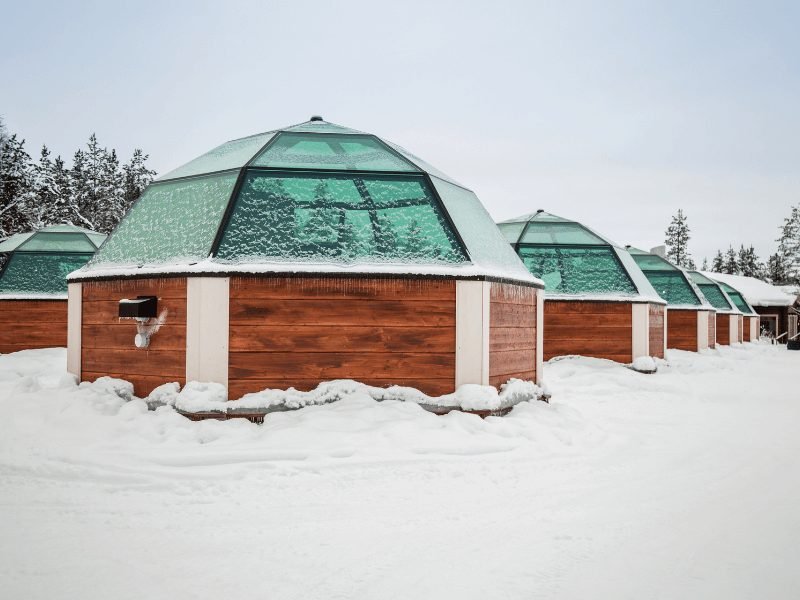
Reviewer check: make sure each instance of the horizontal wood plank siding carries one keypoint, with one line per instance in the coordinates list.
(107, 341)
(682, 330)
(724, 329)
(29, 324)
(658, 313)
(748, 321)
(512, 333)
(598, 329)
(301, 331)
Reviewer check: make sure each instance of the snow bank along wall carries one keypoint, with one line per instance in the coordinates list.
(306, 254)
(251, 333)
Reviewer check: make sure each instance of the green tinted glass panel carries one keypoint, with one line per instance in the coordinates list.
(321, 127)
(338, 218)
(54, 242)
(35, 273)
(651, 262)
(230, 155)
(715, 296)
(559, 233)
(511, 231)
(737, 298)
(569, 270)
(331, 151)
(672, 287)
(175, 220)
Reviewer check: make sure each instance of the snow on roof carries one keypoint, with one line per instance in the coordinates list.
(314, 197)
(575, 261)
(755, 291)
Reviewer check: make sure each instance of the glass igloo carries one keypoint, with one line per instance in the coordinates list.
(313, 197)
(672, 283)
(573, 260)
(39, 261)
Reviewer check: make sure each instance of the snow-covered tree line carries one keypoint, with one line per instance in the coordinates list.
(94, 192)
(782, 267)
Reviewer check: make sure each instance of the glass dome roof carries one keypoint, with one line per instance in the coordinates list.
(40, 260)
(574, 261)
(672, 283)
(738, 299)
(713, 292)
(314, 197)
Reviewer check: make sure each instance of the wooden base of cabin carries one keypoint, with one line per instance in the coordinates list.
(30, 324)
(690, 329)
(751, 329)
(730, 329)
(251, 333)
(619, 331)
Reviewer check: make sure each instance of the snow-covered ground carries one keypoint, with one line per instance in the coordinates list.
(683, 484)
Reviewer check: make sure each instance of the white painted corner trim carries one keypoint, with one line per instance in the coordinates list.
(74, 325)
(207, 320)
(539, 335)
(733, 329)
(472, 332)
(702, 330)
(640, 330)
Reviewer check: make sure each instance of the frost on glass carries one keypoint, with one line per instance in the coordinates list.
(672, 287)
(540, 232)
(512, 230)
(320, 127)
(652, 262)
(230, 155)
(337, 218)
(569, 270)
(65, 242)
(737, 298)
(39, 273)
(715, 296)
(331, 151)
(174, 220)
(485, 244)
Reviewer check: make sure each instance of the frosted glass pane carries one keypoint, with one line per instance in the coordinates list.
(321, 127)
(559, 233)
(512, 231)
(485, 244)
(567, 270)
(172, 221)
(737, 298)
(230, 155)
(423, 165)
(672, 287)
(652, 262)
(65, 242)
(338, 218)
(339, 152)
(35, 273)
(715, 296)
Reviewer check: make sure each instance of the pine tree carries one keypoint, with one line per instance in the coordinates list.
(748, 264)
(39, 202)
(776, 272)
(136, 177)
(789, 246)
(677, 241)
(730, 265)
(705, 264)
(16, 178)
(718, 264)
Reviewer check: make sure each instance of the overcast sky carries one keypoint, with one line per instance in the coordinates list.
(616, 114)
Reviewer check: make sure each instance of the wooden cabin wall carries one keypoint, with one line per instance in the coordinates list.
(300, 331)
(658, 313)
(107, 346)
(598, 329)
(724, 329)
(682, 330)
(512, 333)
(29, 324)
